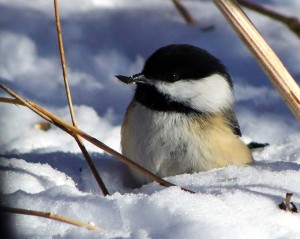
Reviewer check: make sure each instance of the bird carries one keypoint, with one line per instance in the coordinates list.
(181, 119)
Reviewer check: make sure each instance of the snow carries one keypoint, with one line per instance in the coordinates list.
(44, 170)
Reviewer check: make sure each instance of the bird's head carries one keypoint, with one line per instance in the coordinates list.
(184, 75)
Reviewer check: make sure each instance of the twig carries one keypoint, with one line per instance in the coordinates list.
(288, 198)
(73, 131)
(68, 93)
(292, 22)
(10, 101)
(184, 12)
(265, 56)
(50, 215)
(288, 205)
(63, 62)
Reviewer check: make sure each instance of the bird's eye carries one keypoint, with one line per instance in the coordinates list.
(172, 77)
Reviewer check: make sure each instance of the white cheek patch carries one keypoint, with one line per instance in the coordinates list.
(210, 94)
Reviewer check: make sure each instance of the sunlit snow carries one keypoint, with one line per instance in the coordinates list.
(45, 171)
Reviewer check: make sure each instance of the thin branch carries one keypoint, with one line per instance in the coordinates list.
(50, 215)
(292, 22)
(288, 198)
(184, 12)
(287, 205)
(73, 131)
(10, 101)
(68, 93)
(63, 62)
(263, 53)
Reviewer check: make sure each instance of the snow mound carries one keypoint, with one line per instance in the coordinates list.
(231, 202)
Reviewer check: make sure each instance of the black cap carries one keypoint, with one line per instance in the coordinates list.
(182, 61)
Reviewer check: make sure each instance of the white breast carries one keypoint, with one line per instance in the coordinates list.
(164, 143)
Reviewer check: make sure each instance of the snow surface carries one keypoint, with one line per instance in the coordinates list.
(44, 170)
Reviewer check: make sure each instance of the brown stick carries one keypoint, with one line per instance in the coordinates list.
(69, 97)
(288, 198)
(292, 22)
(273, 67)
(10, 101)
(50, 215)
(63, 62)
(73, 131)
(184, 12)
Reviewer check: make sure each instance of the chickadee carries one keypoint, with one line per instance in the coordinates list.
(181, 118)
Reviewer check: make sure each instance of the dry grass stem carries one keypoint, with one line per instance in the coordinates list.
(63, 62)
(73, 131)
(292, 22)
(91, 165)
(50, 215)
(69, 97)
(184, 12)
(10, 101)
(265, 56)
(287, 205)
(288, 198)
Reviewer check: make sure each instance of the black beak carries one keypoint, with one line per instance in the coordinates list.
(137, 78)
